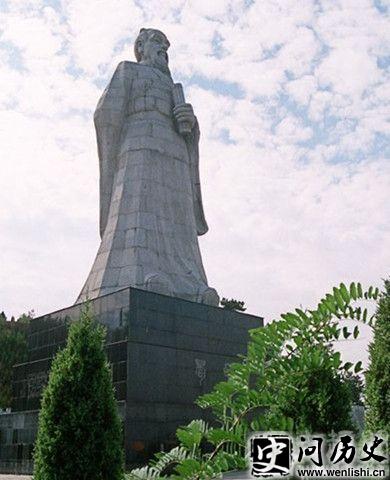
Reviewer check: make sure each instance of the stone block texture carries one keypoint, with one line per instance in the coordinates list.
(151, 210)
(164, 353)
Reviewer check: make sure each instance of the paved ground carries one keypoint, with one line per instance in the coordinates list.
(228, 476)
(14, 477)
(236, 476)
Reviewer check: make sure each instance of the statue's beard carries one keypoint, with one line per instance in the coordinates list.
(157, 61)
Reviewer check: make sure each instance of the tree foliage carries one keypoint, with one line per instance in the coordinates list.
(13, 350)
(378, 374)
(79, 434)
(356, 387)
(291, 380)
(233, 304)
(320, 400)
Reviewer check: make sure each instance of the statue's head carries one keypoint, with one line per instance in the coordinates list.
(151, 47)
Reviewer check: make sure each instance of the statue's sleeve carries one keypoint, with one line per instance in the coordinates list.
(109, 118)
(193, 150)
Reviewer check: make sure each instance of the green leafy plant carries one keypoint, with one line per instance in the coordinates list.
(316, 397)
(79, 434)
(377, 393)
(291, 379)
(13, 350)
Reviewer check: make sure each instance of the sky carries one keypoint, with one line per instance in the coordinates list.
(292, 97)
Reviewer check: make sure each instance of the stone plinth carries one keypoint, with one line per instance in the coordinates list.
(17, 435)
(164, 353)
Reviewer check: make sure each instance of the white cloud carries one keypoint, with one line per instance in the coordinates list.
(348, 72)
(38, 37)
(291, 130)
(295, 188)
(302, 89)
(96, 27)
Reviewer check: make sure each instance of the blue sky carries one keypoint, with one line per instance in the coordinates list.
(293, 103)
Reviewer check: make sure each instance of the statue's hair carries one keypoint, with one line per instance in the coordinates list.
(143, 35)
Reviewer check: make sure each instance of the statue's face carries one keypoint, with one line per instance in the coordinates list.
(154, 50)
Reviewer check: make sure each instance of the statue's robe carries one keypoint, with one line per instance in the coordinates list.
(150, 200)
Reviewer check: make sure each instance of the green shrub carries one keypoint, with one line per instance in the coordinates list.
(13, 350)
(321, 400)
(79, 434)
(377, 393)
(356, 387)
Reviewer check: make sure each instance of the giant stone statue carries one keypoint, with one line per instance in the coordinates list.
(151, 209)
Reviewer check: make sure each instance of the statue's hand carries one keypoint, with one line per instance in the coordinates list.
(184, 115)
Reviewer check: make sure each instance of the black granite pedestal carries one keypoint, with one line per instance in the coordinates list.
(164, 353)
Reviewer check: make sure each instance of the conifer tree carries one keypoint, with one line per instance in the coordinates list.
(233, 304)
(79, 434)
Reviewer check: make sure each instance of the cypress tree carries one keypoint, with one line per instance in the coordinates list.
(79, 433)
(377, 392)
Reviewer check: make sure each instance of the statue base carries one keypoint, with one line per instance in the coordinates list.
(164, 353)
